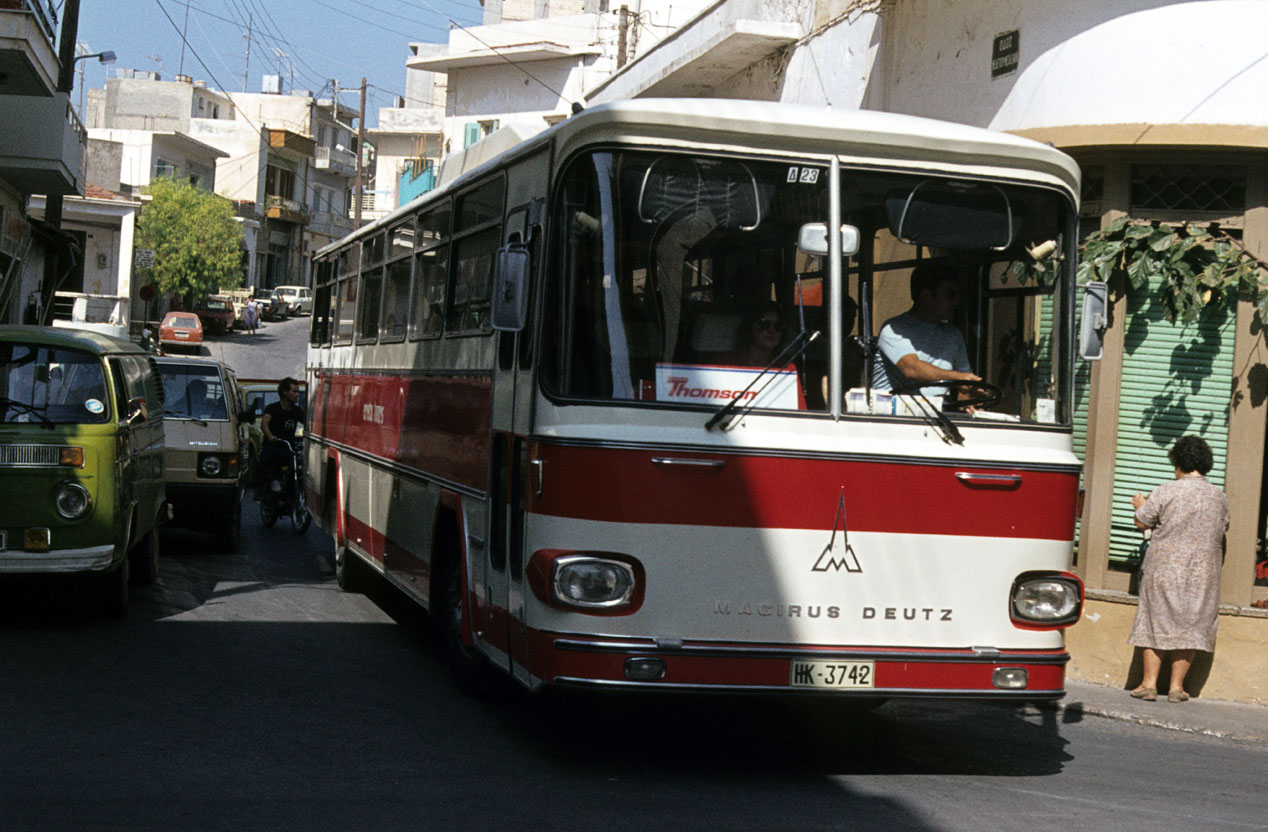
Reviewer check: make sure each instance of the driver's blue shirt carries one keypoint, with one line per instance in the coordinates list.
(939, 344)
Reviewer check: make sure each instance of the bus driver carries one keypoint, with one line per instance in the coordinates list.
(921, 345)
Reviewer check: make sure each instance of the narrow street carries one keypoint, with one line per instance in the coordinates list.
(246, 691)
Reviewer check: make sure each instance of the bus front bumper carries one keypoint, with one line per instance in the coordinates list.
(671, 665)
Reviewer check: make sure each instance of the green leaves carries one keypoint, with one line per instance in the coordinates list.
(1198, 265)
(196, 241)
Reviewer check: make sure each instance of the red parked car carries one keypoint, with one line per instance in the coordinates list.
(216, 314)
(180, 331)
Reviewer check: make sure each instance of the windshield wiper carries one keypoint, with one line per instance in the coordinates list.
(28, 409)
(789, 353)
(180, 415)
(947, 429)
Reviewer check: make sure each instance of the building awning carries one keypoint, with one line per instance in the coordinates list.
(697, 59)
(518, 53)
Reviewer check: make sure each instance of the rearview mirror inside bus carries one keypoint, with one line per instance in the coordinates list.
(813, 239)
(953, 215)
(1095, 320)
(510, 298)
(722, 190)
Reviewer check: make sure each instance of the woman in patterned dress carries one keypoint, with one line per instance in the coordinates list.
(1180, 580)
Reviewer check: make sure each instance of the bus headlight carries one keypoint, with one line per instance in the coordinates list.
(592, 583)
(1046, 599)
(72, 500)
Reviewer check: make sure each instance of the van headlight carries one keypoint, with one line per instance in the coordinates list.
(72, 500)
(591, 582)
(210, 465)
(1046, 599)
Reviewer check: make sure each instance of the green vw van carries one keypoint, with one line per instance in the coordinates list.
(81, 458)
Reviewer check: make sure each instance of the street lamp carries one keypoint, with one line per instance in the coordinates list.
(106, 57)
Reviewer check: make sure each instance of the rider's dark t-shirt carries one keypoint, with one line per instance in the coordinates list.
(282, 422)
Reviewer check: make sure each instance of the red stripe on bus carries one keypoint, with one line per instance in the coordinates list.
(436, 424)
(754, 491)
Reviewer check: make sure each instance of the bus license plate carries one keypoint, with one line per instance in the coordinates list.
(828, 674)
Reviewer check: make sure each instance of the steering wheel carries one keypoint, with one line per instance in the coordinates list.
(987, 393)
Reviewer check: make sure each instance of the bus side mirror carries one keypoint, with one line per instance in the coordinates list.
(510, 289)
(813, 239)
(1095, 321)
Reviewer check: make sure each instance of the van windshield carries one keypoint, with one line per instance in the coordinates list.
(42, 384)
(193, 391)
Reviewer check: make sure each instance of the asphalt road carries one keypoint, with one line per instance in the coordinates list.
(244, 691)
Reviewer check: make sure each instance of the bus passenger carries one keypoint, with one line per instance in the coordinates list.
(758, 337)
(921, 345)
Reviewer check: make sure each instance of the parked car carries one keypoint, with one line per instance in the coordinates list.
(257, 394)
(300, 298)
(180, 331)
(216, 314)
(81, 451)
(205, 462)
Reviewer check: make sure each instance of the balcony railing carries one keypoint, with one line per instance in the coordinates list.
(290, 210)
(28, 47)
(332, 158)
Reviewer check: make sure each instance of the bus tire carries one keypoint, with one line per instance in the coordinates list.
(470, 667)
(349, 574)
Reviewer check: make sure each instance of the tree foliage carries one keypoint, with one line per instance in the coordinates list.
(1198, 264)
(197, 243)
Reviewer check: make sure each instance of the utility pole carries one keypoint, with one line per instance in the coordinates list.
(246, 73)
(620, 38)
(356, 191)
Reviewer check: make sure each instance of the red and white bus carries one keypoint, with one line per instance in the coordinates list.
(534, 413)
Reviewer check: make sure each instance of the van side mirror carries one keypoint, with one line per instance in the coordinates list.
(510, 288)
(137, 411)
(1095, 320)
(813, 239)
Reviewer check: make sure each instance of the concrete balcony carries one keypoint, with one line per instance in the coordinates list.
(287, 210)
(43, 148)
(337, 161)
(28, 55)
(294, 142)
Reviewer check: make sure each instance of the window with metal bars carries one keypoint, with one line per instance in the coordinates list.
(1189, 187)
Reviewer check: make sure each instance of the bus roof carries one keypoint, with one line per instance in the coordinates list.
(737, 125)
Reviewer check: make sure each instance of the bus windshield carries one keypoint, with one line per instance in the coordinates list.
(679, 279)
(49, 385)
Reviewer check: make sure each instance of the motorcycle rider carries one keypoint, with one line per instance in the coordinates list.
(281, 419)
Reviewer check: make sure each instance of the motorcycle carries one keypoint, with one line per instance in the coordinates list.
(288, 499)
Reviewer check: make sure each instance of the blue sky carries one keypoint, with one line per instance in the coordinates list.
(321, 40)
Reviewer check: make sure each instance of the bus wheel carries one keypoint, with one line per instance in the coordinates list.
(348, 574)
(470, 667)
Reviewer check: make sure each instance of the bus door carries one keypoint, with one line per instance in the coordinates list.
(511, 424)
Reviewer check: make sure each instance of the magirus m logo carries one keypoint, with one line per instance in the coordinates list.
(833, 559)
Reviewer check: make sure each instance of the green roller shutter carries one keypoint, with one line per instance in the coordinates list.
(1175, 382)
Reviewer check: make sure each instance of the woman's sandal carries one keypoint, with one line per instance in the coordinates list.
(1177, 696)
(1147, 694)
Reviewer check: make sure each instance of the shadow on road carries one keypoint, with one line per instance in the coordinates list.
(246, 691)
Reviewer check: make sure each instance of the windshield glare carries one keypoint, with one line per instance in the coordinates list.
(48, 384)
(679, 281)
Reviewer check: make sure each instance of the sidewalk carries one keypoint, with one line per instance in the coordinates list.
(1210, 717)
